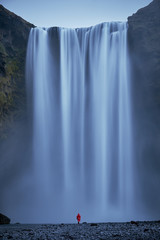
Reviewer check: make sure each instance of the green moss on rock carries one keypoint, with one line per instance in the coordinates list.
(2, 49)
(14, 32)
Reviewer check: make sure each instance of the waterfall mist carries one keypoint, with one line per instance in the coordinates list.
(78, 85)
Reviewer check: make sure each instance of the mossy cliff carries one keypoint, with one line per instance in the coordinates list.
(14, 32)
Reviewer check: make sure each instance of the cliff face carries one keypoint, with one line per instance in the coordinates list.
(144, 40)
(14, 32)
(144, 46)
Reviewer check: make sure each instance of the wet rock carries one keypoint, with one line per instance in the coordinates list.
(115, 235)
(135, 223)
(94, 224)
(146, 230)
(4, 219)
(9, 237)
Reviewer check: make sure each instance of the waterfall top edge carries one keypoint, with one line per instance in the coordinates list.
(80, 28)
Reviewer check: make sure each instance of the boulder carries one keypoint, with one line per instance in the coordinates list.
(4, 219)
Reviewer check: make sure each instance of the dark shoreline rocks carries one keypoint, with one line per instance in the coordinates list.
(123, 231)
(4, 219)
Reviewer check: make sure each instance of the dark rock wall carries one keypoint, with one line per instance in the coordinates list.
(14, 32)
(14, 140)
(144, 40)
(144, 46)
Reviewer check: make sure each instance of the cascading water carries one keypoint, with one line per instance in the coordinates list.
(79, 89)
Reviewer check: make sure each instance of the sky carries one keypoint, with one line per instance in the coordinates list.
(73, 13)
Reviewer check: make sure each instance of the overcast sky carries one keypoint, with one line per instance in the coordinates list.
(73, 13)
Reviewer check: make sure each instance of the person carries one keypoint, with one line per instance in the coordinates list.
(78, 218)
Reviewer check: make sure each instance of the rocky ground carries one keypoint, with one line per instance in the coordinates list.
(125, 231)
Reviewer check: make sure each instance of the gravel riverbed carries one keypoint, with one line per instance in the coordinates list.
(115, 231)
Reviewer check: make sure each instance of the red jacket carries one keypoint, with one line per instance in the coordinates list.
(78, 217)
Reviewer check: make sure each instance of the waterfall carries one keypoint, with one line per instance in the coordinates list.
(78, 86)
